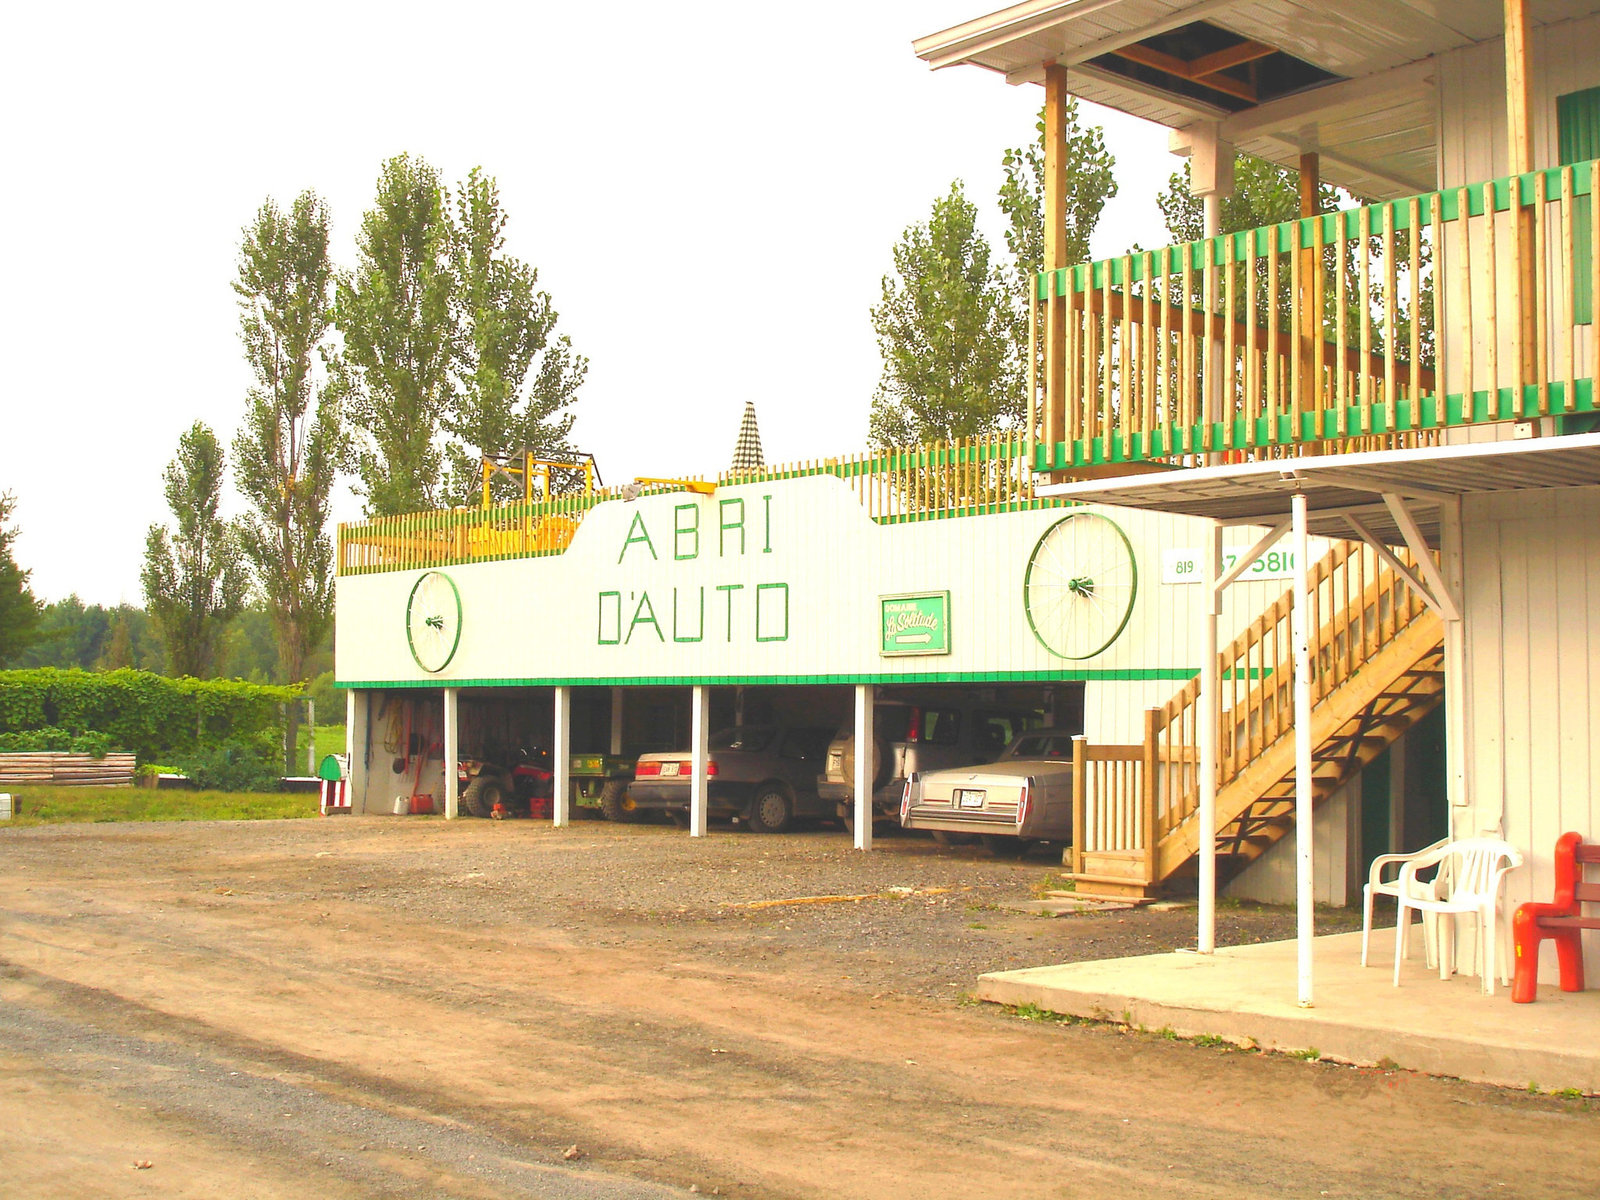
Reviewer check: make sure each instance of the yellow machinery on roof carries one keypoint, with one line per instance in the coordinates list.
(524, 467)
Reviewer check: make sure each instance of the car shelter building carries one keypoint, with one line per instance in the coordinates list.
(603, 624)
(1299, 526)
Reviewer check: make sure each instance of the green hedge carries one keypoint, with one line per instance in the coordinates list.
(150, 715)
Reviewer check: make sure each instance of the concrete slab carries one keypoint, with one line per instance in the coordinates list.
(1246, 994)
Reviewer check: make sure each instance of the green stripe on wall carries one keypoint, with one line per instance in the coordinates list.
(1128, 675)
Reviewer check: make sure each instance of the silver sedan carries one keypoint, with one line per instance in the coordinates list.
(1024, 796)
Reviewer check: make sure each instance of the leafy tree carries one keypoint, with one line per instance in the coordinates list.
(953, 327)
(515, 378)
(945, 329)
(286, 455)
(19, 608)
(194, 579)
(1090, 186)
(394, 314)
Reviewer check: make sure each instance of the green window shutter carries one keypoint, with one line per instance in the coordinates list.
(1578, 140)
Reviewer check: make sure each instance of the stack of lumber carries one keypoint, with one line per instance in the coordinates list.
(77, 769)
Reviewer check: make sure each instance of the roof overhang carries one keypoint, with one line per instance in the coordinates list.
(1375, 128)
(1340, 486)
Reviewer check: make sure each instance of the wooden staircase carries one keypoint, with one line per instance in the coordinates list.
(1377, 658)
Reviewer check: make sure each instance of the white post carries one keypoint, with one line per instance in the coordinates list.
(862, 784)
(561, 759)
(616, 719)
(1210, 702)
(1302, 749)
(354, 771)
(699, 755)
(311, 739)
(450, 754)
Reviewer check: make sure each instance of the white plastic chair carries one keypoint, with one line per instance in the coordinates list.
(1471, 871)
(1377, 885)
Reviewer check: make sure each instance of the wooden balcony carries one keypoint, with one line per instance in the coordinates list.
(1373, 327)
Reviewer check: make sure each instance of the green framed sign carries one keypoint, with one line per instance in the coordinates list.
(914, 623)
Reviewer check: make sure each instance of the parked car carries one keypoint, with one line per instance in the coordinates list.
(916, 737)
(763, 774)
(1024, 796)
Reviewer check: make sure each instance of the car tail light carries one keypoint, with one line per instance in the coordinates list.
(647, 768)
(914, 726)
(711, 767)
(1025, 802)
(905, 798)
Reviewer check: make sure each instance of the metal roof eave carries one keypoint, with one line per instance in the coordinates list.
(1339, 485)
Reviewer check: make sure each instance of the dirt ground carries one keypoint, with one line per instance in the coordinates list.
(374, 1007)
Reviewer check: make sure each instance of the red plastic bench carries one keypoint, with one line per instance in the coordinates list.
(1562, 921)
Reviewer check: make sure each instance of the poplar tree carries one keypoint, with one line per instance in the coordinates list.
(393, 311)
(944, 326)
(515, 379)
(19, 607)
(286, 454)
(194, 578)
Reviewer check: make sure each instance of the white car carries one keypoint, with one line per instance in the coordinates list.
(1024, 796)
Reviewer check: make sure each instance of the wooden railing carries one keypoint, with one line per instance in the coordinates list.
(1358, 607)
(966, 477)
(1370, 327)
(1114, 807)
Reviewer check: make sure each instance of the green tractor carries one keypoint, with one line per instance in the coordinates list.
(600, 786)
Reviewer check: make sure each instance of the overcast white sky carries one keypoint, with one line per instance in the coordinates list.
(709, 191)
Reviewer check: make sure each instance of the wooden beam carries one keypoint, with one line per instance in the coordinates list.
(1215, 327)
(1233, 56)
(1172, 65)
(1310, 185)
(1056, 100)
(1519, 123)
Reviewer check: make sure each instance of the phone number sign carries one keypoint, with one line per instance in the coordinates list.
(1188, 566)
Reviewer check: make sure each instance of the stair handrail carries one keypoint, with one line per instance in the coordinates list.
(1379, 605)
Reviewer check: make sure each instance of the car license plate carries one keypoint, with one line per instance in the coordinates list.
(670, 768)
(969, 797)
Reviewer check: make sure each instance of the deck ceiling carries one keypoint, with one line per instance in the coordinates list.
(1374, 127)
(1258, 493)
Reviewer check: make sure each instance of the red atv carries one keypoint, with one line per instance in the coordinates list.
(525, 789)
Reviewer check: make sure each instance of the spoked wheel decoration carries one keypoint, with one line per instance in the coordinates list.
(433, 621)
(1081, 582)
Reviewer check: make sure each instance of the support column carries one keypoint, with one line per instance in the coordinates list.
(561, 759)
(1310, 266)
(355, 770)
(1304, 796)
(1210, 178)
(1053, 426)
(616, 719)
(866, 695)
(1452, 556)
(1519, 140)
(1210, 705)
(699, 755)
(451, 754)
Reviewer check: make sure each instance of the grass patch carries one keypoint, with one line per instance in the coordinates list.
(329, 740)
(1309, 1054)
(59, 805)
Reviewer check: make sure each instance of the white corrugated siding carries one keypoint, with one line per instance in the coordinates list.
(1473, 149)
(535, 618)
(1532, 608)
